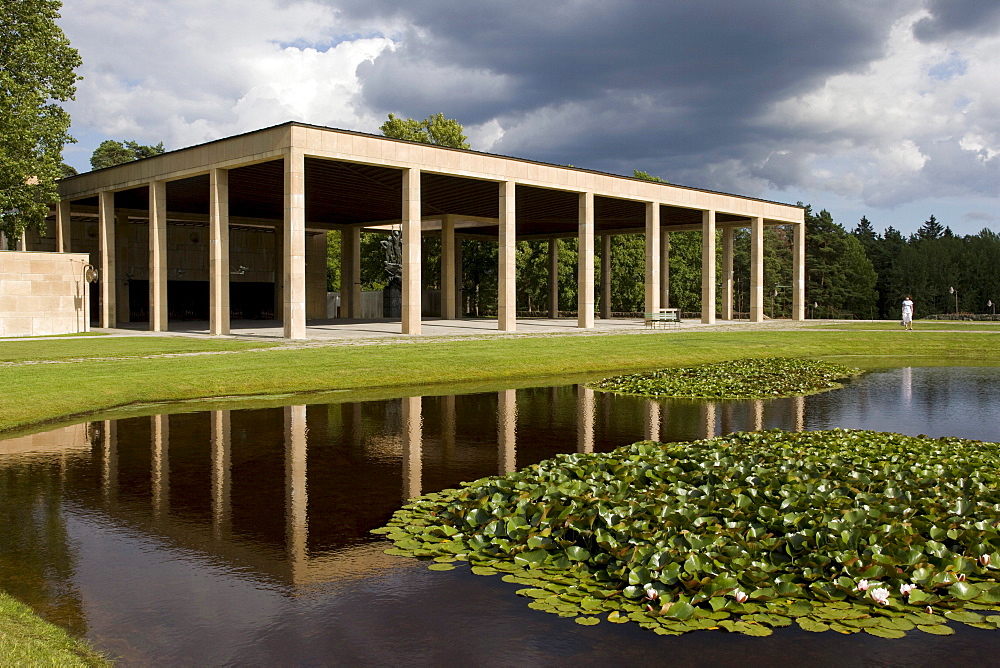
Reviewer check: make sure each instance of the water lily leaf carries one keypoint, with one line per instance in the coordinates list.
(441, 567)
(534, 593)
(964, 616)
(587, 621)
(484, 570)
(800, 608)
(809, 624)
(965, 591)
(936, 629)
(883, 632)
(679, 610)
(577, 553)
(616, 617)
(530, 558)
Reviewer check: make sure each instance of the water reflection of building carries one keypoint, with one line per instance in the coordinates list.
(289, 494)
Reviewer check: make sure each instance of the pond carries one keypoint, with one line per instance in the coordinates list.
(242, 536)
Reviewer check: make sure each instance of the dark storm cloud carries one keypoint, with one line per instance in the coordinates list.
(642, 82)
(951, 17)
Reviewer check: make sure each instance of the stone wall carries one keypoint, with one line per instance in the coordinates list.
(43, 293)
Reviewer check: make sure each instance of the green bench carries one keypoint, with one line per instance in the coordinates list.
(665, 317)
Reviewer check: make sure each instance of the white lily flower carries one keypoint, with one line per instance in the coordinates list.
(880, 595)
(985, 560)
(905, 589)
(862, 585)
(740, 596)
(652, 594)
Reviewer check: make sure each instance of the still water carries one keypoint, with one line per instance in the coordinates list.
(241, 537)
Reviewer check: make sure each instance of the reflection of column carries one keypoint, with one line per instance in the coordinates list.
(160, 441)
(221, 480)
(109, 461)
(758, 414)
(296, 493)
(584, 419)
(412, 447)
(708, 419)
(448, 424)
(800, 413)
(908, 385)
(726, 418)
(507, 431)
(652, 422)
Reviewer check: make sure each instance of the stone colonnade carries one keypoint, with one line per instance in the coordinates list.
(302, 142)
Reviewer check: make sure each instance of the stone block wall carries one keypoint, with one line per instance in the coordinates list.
(43, 293)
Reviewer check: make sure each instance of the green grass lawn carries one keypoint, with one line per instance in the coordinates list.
(27, 640)
(115, 376)
(42, 393)
(923, 325)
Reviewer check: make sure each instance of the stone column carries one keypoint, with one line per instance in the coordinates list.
(727, 273)
(606, 277)
(799, 272)
(346, 279)
(63, 217)
(279, 273)
(122, 267)
(218, 251)
(459, 303)
(411, 251)
(653, 259)
(294, 252)
(664, 269)
(448, 267)
(158, 256)
(584, 419)
(221, 473)
(585, 272)
(507, 270)
(106, 243)
(355, 286)
(412, 447)
(296, 489)
(756, 270)
(708, 267)
(506, 431)
(553, 278)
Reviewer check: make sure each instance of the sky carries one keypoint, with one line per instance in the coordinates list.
(888, 109)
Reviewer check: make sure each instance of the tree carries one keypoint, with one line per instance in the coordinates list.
(111, 153)
(435, 129)
(839, 276)
(647, 176)
(36, 73)
(931, 229)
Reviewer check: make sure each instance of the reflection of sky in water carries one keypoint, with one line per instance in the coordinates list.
(937, 401)
(162, 590)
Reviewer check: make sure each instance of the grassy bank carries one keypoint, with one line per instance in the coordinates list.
(27, 640)
(110, 373)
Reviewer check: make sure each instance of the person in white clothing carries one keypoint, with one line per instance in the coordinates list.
(907, 313)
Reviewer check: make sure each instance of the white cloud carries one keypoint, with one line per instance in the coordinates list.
(186, 71)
